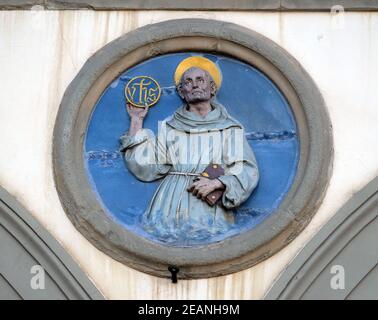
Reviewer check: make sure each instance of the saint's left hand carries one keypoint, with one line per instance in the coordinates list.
(202, 186)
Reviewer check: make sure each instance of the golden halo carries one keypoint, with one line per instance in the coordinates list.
(202, 63)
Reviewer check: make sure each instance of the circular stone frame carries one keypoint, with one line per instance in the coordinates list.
(231, 254)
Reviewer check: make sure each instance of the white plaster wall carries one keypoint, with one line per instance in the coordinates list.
(41, 52)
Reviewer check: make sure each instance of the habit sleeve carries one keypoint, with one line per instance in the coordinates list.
(241, 171)
(144, 155)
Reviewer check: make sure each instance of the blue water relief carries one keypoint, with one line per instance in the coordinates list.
(248, 95)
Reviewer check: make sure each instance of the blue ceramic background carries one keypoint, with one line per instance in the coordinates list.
(248, 95)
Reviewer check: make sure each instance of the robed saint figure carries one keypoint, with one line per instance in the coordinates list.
(200, 133)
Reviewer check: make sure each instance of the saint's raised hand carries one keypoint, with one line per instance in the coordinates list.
(136, 113)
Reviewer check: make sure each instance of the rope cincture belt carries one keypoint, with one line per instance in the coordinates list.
(185, 173)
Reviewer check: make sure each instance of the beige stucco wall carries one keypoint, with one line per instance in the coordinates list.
(41, 52)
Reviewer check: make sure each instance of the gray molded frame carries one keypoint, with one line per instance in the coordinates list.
(24, 240)
(229, 5)
(349, 239)
(232, 254)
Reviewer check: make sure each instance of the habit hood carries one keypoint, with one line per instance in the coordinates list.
(216, 119)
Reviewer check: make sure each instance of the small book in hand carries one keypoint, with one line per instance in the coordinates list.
(213, 171)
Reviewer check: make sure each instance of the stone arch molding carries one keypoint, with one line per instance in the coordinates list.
(345, 248)
(232, 254)
(26, 247)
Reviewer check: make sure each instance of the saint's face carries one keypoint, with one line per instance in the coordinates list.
(196, 86)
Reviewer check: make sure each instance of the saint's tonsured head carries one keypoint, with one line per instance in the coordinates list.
(197, 79)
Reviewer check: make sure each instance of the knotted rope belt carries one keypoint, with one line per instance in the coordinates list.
(185, 173)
